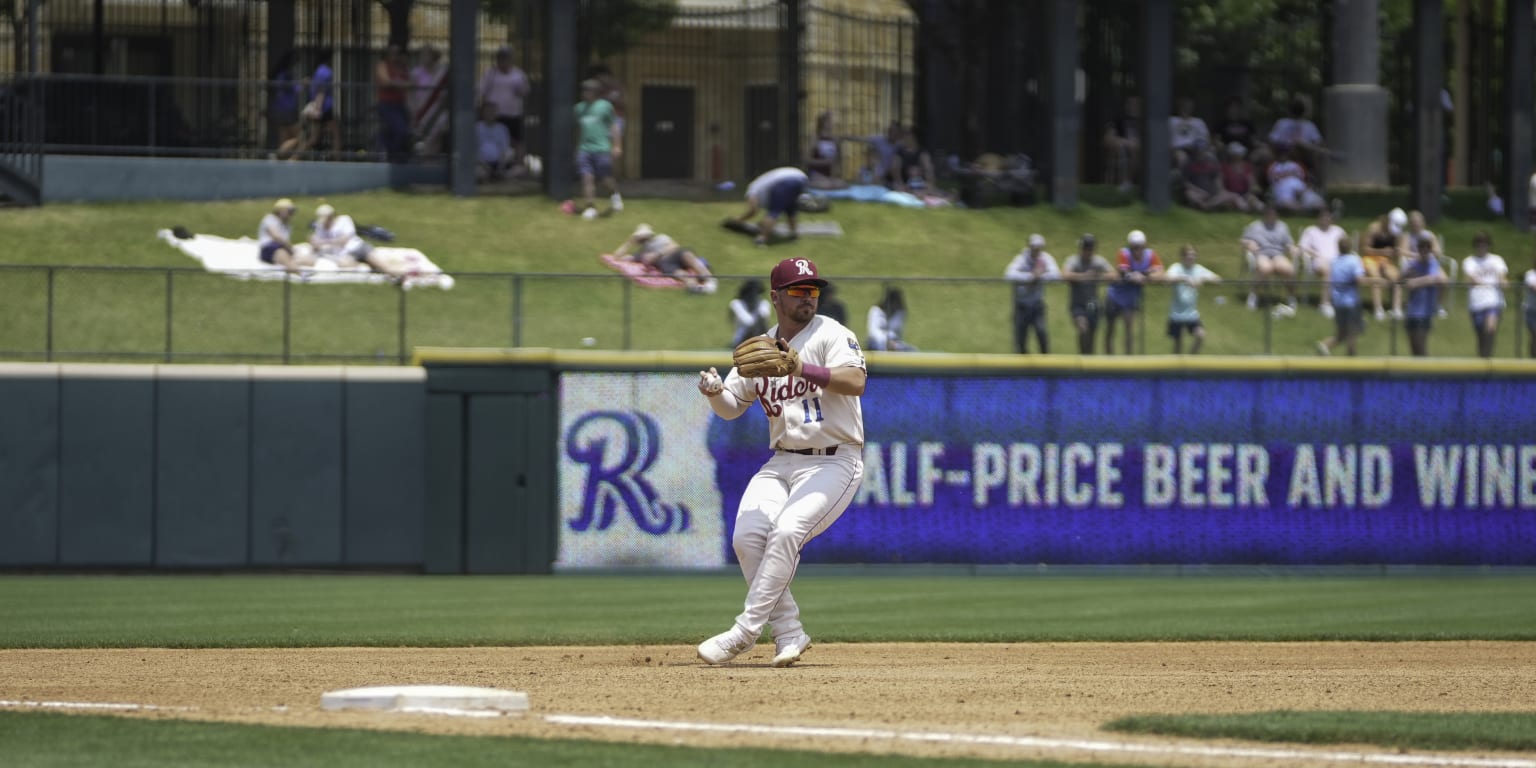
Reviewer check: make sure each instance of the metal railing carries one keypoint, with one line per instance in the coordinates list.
(188, 315)
(21, 139)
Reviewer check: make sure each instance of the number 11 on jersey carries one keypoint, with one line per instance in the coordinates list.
(805, 405)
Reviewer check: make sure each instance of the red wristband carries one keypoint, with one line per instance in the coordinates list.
(816, 374)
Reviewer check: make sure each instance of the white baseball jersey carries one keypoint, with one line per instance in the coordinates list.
(800, 414)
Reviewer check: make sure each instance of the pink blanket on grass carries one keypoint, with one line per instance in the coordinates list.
(643, 274)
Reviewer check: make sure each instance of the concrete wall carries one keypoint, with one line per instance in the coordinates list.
(71, 178)
(144, 466)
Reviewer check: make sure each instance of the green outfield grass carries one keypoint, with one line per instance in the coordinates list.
(212, 315)
(263, 611)
(1514, 731)
(46, 740)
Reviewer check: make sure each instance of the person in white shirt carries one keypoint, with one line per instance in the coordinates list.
(335, 238)
(1029, 271)
(1319, 246)
(777, 193)
(274, 238)
(1529, 305)
(816, 431)
(1187, 132)
(506, 86)
(1488, 275)
(886, 323)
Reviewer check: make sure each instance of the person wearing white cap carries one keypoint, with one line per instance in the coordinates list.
(1136, 264)
(1028, 272)
(335, 238)
(1381, 246)
(274, 237)
(657, 250)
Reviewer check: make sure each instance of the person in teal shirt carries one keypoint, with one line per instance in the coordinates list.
(1345, 279)
(1183, 309)
(598, 148)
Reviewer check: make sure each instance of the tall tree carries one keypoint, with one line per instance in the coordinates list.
(956, 30)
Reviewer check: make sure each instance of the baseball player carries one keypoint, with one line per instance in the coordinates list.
(807, 373)
(778, 193)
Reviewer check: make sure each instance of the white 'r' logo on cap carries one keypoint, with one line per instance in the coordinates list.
(805, 266)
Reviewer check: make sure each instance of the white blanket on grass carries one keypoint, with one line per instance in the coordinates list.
(241, 259)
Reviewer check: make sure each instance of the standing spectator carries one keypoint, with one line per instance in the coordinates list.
(1344, 281)
(1122, 146)
(613, 92)
(1529, 305)
(1272, 253)
(1488, 275)
(392, 82)
(1298, 135)
(506, 85)
(887, 323)
(1236, 128)
(1319, 246)
(1381, 247)
(749, 311)
(831, 306)
(1288, 186)
(1237, 179)
(1184, 308)
(1422, 277)
(777, 194)
(1203, 184)
(495, 146)
(283, 104)
(825, 164)
(1084, 270)
(322, 104)
(1137, 265)
(1418, 236)
(1028, 272)
(427, 99)
(1187, 132)
(597, 149)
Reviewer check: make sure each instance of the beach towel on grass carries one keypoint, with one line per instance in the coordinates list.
(241, 259)
(647, 276)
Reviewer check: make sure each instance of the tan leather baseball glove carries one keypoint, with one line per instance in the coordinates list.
(759, 356)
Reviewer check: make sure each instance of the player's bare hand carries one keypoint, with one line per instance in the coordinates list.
(710, 383)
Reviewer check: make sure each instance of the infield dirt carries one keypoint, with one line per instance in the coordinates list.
(1061, 691)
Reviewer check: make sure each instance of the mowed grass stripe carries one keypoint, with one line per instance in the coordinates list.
(369, 610)
(1511, 731)
(46, 740)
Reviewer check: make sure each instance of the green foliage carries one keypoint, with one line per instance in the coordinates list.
(1403, 730)
(46, 740)
(382, 611)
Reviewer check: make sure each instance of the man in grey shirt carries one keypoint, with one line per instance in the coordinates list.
(1272, 254)
(1028, 272)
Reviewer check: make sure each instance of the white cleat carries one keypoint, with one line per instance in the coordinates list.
(724, 647)
(788, 650)
(617, 202)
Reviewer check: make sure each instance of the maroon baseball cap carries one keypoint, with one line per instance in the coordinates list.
(794, 272)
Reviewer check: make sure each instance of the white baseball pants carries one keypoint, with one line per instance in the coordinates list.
(790, 501)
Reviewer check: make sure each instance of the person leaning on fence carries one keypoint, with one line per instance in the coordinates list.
(1084, 271)
(274, 238)
(1419, 236)
(1488, 275)
(1422, 278)
(1137, 264)
(335, 238)
(1029, 271)
(1184, 308)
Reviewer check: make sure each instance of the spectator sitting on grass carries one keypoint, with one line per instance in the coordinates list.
(335, 238)
(1237, 179)
(886, 323)
(1319, 246)
(825, 164)
(749, 311)
(1288, 186)
(1380, 246)
(1187, 132)
(495, 143)
(1203, 184)
(274, 238)
(914, 167)
(1298, 136)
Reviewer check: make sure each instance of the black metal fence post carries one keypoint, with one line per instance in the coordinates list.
(517, 311)
(1391, 335)
(287, 321)
(49, 340)
(170, 312)
(400, 341)
(1269, 328)
(627, 311)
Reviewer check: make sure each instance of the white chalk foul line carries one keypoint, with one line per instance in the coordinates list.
(1196, 750)
(88, 705)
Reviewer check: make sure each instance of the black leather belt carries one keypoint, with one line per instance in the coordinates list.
(812, 451)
